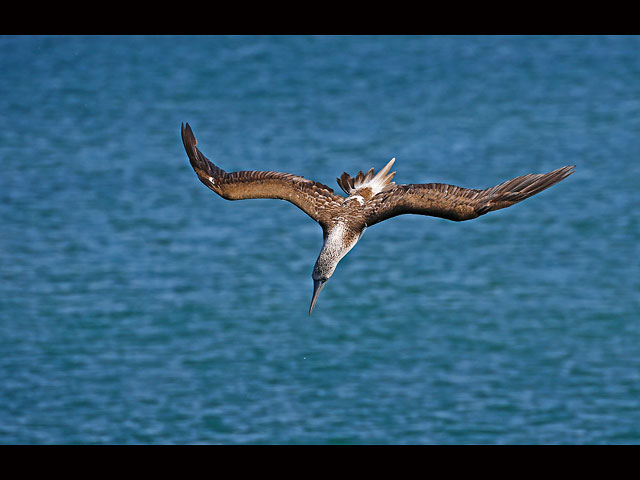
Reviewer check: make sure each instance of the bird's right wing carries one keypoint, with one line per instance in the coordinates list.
(458, 203)
(313, 198)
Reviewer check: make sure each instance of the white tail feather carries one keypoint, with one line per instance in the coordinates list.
(376, 183)
(381, 180)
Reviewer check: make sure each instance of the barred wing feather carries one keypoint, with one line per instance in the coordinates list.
(458, 203)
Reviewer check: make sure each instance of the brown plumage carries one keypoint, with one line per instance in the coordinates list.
(313, 198)
(371, 199)
(457, 203)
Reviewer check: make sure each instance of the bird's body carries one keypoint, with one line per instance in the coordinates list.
(371, 198)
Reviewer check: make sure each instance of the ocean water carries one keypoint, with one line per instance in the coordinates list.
(138, 307)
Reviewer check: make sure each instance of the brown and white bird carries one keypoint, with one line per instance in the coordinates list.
(371, 198)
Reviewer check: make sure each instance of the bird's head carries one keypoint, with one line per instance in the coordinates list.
(321, 275)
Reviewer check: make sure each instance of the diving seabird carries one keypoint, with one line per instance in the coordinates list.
(370, 199)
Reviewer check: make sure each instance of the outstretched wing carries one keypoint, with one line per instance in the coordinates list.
(313, 198)
(457, 203)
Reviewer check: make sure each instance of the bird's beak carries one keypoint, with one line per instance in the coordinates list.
(317, 288)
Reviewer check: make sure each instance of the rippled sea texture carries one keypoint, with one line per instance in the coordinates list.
(136, 306)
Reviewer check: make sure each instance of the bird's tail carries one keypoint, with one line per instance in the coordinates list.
(378, 182)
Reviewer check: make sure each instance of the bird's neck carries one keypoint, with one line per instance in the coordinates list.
(338, 241)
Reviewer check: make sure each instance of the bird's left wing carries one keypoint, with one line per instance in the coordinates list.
(313, 198)
(458, 203)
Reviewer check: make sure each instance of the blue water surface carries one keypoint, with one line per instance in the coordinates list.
(136, 306)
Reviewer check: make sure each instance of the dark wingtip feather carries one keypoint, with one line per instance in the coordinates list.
(547, 180)
(521, 188)
(201, 164)
(188, 140)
